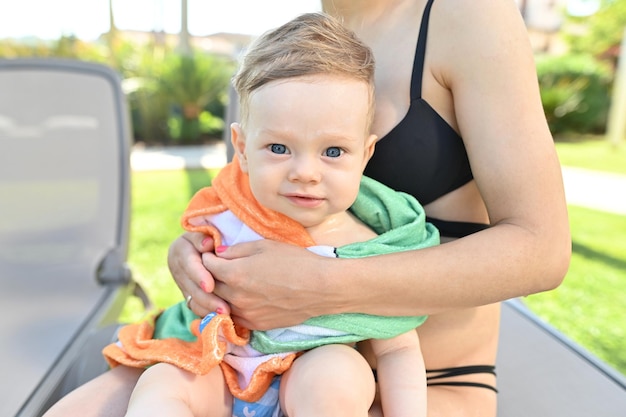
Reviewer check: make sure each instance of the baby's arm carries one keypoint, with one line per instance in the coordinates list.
(401, 375)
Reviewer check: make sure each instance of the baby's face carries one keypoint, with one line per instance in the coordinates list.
(306, 144)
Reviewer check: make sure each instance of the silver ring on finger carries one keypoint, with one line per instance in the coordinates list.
(188, 301)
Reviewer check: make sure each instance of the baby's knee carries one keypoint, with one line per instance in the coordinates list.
(163, 378)
(164, 389)
(329, 380)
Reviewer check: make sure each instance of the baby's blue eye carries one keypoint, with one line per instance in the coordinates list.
(278, 148)
(333, 152)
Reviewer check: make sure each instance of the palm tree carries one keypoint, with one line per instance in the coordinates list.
(191, 82)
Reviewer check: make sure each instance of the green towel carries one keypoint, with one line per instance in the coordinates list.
(400, 222)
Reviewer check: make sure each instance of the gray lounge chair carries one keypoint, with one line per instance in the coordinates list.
(64, 212)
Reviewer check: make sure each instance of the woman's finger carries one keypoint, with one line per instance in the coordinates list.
(201, 242)
(193, 279)
(202, 303)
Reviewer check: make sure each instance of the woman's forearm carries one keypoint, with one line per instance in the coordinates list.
(269, 284)
(493, 265)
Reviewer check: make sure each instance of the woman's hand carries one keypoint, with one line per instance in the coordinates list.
(270, 284)
(185, 263)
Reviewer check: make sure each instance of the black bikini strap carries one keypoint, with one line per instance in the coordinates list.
(457, 371)
(463, 384)
(460, 371)
(420, 54)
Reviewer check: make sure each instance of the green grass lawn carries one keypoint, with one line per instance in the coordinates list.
(158, 200)
(588, 307)
(592, 152)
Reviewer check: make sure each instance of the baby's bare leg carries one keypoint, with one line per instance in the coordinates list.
(333, 380)
(401, 375)
(165, 390)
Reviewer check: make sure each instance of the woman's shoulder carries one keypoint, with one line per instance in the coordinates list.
(476, 7)
(468, 22)
(465, 36)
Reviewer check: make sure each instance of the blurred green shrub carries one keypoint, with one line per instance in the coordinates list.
(191, 84)
(575, 92)
(599, 34)
(209, 126)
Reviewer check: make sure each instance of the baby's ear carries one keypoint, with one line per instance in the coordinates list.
(370, 144)
(238, 139)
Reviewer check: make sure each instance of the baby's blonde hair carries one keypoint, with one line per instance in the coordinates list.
(311, 44)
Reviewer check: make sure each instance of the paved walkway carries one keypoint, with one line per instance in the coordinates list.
(596, 190)
(591, 189)
(178, 157)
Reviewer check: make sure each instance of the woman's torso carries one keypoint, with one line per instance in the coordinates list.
(456, 338)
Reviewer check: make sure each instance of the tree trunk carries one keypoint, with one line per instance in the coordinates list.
(184, 45)
(112, 37)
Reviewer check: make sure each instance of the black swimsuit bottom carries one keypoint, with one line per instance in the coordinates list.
(439, 374)
(433, 380)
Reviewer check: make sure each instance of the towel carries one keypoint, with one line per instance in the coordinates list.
(199, 351)
(400, 223)
(230, 190)
(397, 218)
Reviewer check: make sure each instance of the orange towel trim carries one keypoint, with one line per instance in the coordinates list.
(199, 357)
(230, 190)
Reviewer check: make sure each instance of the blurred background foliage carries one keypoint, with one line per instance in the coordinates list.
(575, 92)
(576, 85)
(174, 98)
(180, 98)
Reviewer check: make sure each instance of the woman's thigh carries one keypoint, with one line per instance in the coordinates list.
(461, 402)
(104, 396)
(453, 402)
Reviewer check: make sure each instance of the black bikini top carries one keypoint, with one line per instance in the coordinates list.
(422, 155)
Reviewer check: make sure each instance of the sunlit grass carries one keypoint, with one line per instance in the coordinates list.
(590, 306)
(158, 200)
(592, 152)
